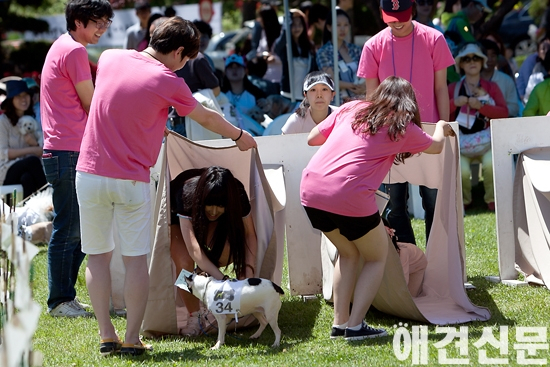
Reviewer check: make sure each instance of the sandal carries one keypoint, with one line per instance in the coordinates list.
(135, 349)
(109, 346)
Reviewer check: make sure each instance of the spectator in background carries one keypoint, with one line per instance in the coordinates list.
(349, 55)
(539, 99)
(474, 101)
(303, 55)
(504, 81)
(264, 34)
(198, 74)
(142, 45)
(316, 20)
(420, 54)
(66, 91)
(527, 66)
(136, 33)
(536, 71)
(462, 22)
(256, 71)
(35, 99)
(170, 12)
(19, 154)
(206, 35)
(318, 90)
(425, 12)
(240, 92)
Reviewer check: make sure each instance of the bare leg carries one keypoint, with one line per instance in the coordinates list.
(98, 281)
(136, 291)
(373, 247)
(182, 260)
(345, 272)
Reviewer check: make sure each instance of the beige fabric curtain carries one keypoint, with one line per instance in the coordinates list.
(164, 313)
(531, 203)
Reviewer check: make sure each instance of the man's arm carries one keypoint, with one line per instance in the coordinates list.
(85, 91)
(371, 84)
(442, 94)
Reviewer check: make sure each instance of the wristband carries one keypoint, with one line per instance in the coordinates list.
(241, 134)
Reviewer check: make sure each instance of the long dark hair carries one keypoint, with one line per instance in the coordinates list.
(327, 35)
(217, 186)
(9, 110)
(270, 23)
(304, 47)
(392, 104)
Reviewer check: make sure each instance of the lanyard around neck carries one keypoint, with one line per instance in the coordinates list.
(412, 56)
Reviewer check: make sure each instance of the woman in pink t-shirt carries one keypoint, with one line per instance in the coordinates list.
(359, 143)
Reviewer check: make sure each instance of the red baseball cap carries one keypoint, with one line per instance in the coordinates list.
(396, 10)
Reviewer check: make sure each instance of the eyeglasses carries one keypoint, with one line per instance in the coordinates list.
(99, 24)
(425, 2)
(474, 58)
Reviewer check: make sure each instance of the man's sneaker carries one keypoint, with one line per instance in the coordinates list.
(82, 305)
(69, 309)
(363, 333)
(337, 332)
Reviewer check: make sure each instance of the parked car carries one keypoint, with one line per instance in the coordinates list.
(226, 43)
(515, 33)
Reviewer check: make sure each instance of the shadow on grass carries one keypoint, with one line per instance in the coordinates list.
(480, 296)
(296, 321)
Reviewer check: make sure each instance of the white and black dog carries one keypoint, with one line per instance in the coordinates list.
(232, 298)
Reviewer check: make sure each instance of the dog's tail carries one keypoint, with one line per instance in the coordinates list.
(277, 288)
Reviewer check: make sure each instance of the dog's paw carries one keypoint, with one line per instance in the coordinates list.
(217, 346)
(256, 335)
(275, 345)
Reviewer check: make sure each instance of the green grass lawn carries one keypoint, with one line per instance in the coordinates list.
(306, 325)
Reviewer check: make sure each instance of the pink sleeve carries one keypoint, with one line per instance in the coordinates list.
(442, 54)
(184, 102)
(368, 65)
(327, 125)
(78, 65)
(416, 140)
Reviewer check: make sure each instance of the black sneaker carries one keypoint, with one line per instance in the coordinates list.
(365, 332)
(337, 333)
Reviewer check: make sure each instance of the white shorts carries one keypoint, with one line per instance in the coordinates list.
(114, 211)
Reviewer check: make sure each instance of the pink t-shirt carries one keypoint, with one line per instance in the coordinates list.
(61, 113)
(383, 53)
(348, 168)
(128, 115)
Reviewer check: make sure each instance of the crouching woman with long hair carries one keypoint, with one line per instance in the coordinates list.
(211, 228)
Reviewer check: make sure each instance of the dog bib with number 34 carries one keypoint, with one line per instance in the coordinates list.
(224, 297)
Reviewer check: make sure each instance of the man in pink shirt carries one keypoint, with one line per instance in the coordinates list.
(65, 97)
(122, 141)
(419, 54)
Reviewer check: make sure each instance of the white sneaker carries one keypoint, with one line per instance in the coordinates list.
(69, 309)
(82, 305)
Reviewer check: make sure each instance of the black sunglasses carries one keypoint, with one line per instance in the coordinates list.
(425, 2)
(474, 58)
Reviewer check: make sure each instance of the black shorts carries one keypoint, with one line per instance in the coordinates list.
(350, 227)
